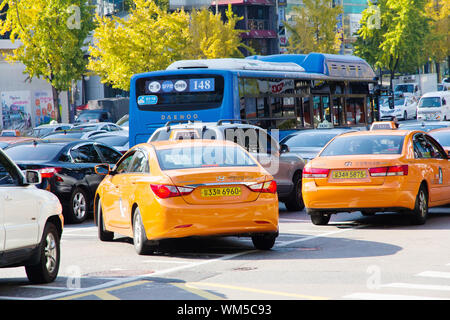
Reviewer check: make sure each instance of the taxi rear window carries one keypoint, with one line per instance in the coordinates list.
(367, 144)
(203, 157)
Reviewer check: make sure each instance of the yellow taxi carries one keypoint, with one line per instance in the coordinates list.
(183, 188)
(377, 171)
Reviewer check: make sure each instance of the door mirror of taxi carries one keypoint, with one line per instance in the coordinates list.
(102, 169)
(284, 148)
(32, 177)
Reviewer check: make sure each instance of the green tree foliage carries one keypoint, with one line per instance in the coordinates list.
(437, 41)
(52, 35)
(392, 35)
(313, 28)
(151, 38)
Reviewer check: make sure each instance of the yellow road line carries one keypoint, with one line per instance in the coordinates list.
(270, 292)
(196, 291)
(103, 293)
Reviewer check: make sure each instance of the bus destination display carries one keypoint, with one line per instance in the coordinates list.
(179, 86)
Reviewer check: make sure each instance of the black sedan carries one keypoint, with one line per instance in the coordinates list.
(67, 170)
(308, 143)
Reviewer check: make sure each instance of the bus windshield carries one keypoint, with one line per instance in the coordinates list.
(179, 93)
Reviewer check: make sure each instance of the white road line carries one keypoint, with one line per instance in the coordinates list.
(166, 261)
(291, 235)
(434, 274)
(91, 229)
(79, 235)
(303, 230)
(382, 296)
(48, 287)
(318, 236)
(416, 286)
(187, 266)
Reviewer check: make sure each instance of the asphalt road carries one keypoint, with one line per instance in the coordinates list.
(354, 257)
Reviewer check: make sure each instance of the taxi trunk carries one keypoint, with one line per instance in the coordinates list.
(221, 185)
(361, 170)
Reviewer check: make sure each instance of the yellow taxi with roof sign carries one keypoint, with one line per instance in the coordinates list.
(377, 171)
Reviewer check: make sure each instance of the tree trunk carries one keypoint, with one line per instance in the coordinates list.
(55, 93)
(438, 71)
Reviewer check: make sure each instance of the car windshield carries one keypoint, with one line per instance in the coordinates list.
(430, 102)
(308, 139)
(33, 152)
(421, 127)
(364, 144)
(443, 137)
(203, 156)
(399, 102)
(67, 135)
(405, 88)
(86, 127)
(39, 132)
(89, 116)
(112, 140)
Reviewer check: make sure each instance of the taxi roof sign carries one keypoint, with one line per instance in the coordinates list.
(384, 125)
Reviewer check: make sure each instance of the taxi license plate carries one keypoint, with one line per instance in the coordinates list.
(349, 174)
(221, 192)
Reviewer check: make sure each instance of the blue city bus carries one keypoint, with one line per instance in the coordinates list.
(286, 92)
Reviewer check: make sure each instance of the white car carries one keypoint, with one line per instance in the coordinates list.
(404, 108)
(434, 106)
(106, 126)
(446, 82)
(31, 223)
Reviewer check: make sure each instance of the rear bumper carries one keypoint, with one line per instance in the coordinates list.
(387, 197)
(175, 219)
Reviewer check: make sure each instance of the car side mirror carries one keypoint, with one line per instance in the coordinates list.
(102, 169)
(284, 148)
(32, 177)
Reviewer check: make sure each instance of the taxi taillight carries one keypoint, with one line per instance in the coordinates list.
(389, 171)
(167, 191)
(315, 173)
(265, 187)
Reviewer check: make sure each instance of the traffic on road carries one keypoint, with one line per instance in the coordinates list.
(227, 208)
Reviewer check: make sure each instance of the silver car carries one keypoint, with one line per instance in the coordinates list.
(286, 168)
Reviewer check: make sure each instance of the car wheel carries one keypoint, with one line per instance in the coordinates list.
(319, 218)
(103, 235)
(264, 241)
(295, 200)
(46, 269)
(78, 207)
(420, 212)
(139, 236)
